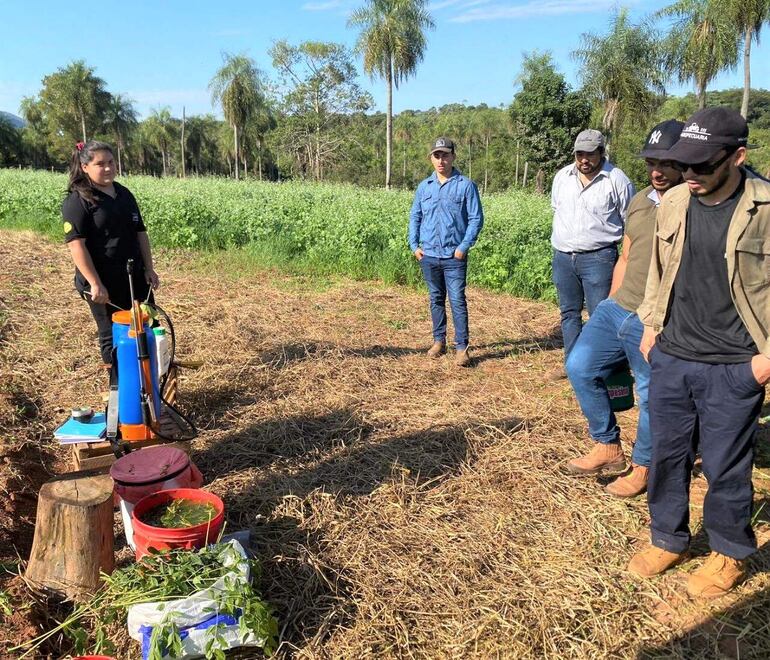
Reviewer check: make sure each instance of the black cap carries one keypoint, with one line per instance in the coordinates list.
(661, 138)
(708, 132)
(443, 144)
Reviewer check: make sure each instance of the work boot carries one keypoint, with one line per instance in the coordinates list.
(462, 359)
(654, 561)
(718, 575)
(437, 350)
(630, 485)
(602, 458)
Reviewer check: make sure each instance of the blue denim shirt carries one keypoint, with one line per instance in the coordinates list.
(447, 217)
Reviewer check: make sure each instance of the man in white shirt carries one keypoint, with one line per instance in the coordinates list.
(590, 198)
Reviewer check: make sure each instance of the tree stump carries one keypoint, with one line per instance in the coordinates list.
(74, 535)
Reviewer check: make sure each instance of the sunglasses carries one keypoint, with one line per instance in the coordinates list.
(702, 168)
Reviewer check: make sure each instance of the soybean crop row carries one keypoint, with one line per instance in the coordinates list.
(326, 228)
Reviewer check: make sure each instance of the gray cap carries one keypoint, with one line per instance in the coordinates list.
(589, 140)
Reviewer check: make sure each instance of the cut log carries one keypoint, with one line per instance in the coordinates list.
(74, 537)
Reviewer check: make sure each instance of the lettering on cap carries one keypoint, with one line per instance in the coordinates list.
(695, 132)
(655, 137)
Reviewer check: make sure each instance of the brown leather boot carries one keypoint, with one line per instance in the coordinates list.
(630, 485)
(718, 575)
(654, 561)
(462, 359)
(437, 350)
(602, 458)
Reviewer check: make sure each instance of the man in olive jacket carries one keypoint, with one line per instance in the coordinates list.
(706, 313)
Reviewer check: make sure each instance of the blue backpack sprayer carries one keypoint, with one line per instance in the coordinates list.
(136, 401)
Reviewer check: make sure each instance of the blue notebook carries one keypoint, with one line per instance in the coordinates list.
(74, 430)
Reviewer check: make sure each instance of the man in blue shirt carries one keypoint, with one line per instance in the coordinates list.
(445, 221)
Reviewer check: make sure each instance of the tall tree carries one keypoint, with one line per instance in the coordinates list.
(237, 87)
(160, 130)
(749, 16)
(702, 43)
(547, 115)
(120, 119)
(405, 129)
(320, 94)
(75, 93)
(490, 124)
(393, 43)
(623, 71)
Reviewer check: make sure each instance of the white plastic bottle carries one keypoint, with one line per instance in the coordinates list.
(162, 351)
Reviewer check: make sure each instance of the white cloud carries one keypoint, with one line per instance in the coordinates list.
(324, 6)
(533, 8)
(438, 5)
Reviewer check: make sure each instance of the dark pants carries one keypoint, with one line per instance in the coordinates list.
(447, 276)
(713, 407)
(580, 276)
(119, 295)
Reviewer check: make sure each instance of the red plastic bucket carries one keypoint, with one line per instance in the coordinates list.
(146, 536)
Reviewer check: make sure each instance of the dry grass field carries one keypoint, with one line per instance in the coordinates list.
(400, 508)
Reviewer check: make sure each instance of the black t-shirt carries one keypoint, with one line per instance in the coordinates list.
(109, 227)
(703, 324)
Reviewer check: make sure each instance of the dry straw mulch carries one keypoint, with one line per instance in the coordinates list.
(400, 507)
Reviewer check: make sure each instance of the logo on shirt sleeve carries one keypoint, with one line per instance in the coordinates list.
(135, 217)
(67, 227)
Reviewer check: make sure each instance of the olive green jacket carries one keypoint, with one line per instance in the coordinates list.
(747, 254)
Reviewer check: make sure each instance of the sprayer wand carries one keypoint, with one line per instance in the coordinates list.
(149, 415)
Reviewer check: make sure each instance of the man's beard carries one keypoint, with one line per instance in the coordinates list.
(721, 181)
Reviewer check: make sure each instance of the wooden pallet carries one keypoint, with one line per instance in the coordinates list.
(99, 455)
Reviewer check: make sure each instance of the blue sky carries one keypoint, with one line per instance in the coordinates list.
(163, 53)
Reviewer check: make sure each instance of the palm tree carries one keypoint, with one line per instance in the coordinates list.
(121, 120)
(392, 41)
(702, 43)
(238, 88)
(491, 123)
(76, 91)
(405, 128)
(748, 17)
(159, 128)
(622, 71)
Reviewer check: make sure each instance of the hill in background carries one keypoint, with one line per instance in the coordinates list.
(13, 120)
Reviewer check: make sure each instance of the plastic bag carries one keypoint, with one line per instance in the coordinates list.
(195, 615)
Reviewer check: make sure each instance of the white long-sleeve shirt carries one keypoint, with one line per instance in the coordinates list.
(591, 217)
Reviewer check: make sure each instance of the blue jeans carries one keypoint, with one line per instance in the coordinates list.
(579, 276)
(447, 276)
(714, 408)
(610, 338)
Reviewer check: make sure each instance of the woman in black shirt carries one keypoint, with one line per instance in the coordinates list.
(103, 229)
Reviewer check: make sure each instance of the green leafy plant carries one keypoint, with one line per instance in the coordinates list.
(162, 577)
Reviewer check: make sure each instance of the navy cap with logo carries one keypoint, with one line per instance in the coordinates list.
(443, 144)
(708, 132)
(661, 138)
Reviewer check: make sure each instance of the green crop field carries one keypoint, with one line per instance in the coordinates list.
(324, 228)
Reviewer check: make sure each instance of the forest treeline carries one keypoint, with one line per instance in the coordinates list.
(309, 118)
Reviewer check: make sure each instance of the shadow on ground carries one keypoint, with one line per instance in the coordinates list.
(741, 630)
(291, 464)
(511, 347)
